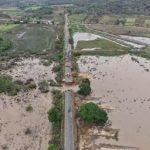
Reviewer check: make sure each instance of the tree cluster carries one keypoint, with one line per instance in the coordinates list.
(92, 113)
(85, 87)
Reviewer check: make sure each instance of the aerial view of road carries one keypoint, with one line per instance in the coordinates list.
(74, 74)
(69, 125)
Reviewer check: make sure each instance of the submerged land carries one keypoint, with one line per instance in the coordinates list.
(78, 64)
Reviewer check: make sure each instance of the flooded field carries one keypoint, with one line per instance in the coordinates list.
(135, 42)
(84, 37)
(22, 130)
(143, 40)
(31, 68)
(24, 123)
(122, 83)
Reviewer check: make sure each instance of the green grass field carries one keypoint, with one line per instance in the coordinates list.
(130, 21)
(36, 37)
(107, 19)
(147, 23)
(102, 44)
(29, 40)
(77, 18)
(77, 28)
(146, 52)
(7, 27)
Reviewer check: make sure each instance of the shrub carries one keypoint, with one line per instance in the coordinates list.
(44, 87)
(7, 85)
(59, 76)
(85, 87)
(28, 131)
(52, 83)
(54, 115)
(29, 108)
(52, 147)
(5, 44)
(91, 113)
(32, 86)
(57, 68)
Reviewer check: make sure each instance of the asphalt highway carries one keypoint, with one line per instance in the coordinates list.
(69, 117)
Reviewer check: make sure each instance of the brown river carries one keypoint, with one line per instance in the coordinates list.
(123, 83)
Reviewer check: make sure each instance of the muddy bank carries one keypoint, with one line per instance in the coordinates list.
(122, 83)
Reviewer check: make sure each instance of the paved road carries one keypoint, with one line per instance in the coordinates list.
(69, 126)
(69, 117)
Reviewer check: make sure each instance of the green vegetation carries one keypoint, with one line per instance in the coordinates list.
(29, 108)
(7, 27)
(31, 86)
(43, 87)
(101, 44)
(99, 7)
(130, 21)
(91, 114)
(144, 53)
(110, 19)
(101, 53)
(28, 131)
(40, 11)
(76, 28)
(30, 40)
(59, 69)
(94, 6)
(5, 45)
(85, 87)
(55, 116)
(113, 23)
(120, 30)
(77, 18)
(8, 86)
(147, 51)
(147, 23)
(52, 147)
(11, 87)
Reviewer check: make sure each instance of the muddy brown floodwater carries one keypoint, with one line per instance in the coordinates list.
(124, 84)
(21, 129)
(31, 68)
